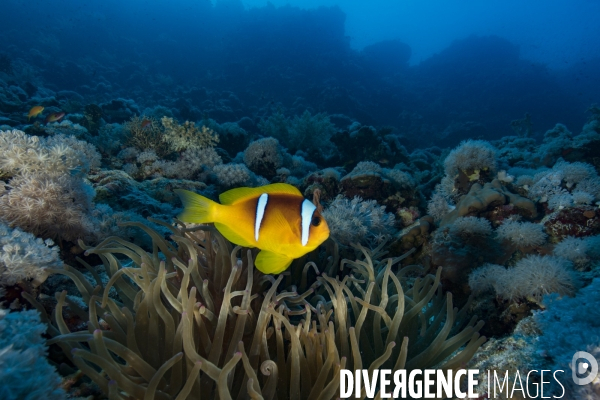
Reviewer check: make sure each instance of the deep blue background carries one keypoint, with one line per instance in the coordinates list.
(436, 71)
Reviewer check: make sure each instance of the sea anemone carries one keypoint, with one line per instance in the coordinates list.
(194, 316)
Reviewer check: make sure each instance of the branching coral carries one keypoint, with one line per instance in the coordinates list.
(195, 319)
(187, 136)
(187, 166)
(556, 140)
(145, 133)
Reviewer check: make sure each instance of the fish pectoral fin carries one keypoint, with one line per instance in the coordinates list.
(232, 235)
(278, 233)
(268, 262)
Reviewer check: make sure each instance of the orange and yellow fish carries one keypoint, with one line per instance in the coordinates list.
(275, 218)
(34, 112)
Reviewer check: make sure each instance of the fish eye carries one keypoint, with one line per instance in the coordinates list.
(316, 221)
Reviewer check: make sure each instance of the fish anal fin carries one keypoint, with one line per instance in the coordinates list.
(268, 262)
(240, 194)
(232, 235)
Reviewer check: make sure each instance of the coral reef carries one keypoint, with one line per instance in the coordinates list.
(521, 234)
(230, 175)
(471, 158)
(365, 143)
(422, 189)
(358, 221)
(23, 153)
(487, 199)
(461, 246)
(51, 206)
(264, 157)
(393, 188)
(575, 221)
(565, 330)
(306, 132)
(531, 277)
(187, 136)
(24, 371)
(23, 256)
(146, 134)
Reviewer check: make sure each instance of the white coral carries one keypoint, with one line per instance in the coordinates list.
(439, 206)
(230, 175)
(560, 201)
(574, 172)
(531, 277)
(573, 249)
(522, 234)
(581, 197)
(358, 220)
(471, 226)
(399, 177)
(471, 155)
(23, 256)
(22, 153)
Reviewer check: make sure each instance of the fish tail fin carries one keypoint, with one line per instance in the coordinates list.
(196, 209)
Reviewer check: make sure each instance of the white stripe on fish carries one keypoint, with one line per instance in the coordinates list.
(260, 213)
(308, 209)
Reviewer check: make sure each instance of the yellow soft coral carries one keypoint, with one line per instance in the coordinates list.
(188, 136)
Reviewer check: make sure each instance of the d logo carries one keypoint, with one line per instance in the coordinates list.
(580, 368)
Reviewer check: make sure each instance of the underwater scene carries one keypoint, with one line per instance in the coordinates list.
(299, 199)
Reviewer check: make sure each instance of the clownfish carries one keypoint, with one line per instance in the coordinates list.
(275, 218)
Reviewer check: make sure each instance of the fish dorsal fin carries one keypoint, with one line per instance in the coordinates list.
(240, 194)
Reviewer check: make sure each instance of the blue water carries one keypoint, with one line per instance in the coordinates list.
(451, 62)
